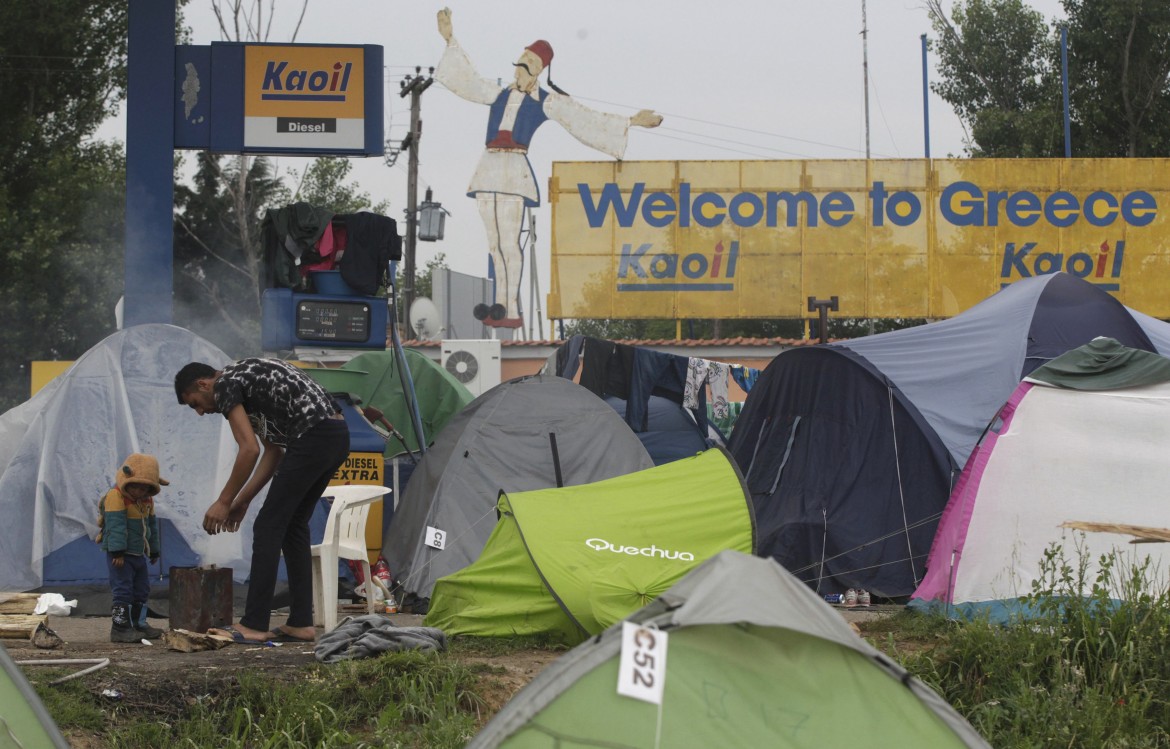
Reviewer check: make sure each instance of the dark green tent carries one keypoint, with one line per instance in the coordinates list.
(375, 377)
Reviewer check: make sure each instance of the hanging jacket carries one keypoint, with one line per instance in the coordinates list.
(372, 242)
(289, 236)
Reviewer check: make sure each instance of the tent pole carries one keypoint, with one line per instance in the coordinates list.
(400, 355)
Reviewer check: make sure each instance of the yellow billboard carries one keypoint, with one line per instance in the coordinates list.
(889, 238)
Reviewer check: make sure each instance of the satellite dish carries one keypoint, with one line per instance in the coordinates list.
(424, 318)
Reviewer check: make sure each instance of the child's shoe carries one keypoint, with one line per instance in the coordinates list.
(863, 598)
(121, 628)
(850, 598)
(138, 619)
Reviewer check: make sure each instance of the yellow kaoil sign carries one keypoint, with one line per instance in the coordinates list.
(304, 96)
(896, 238)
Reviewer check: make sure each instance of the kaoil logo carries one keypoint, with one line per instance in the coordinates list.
(639, 270)
(284, 83)
(1102, 270)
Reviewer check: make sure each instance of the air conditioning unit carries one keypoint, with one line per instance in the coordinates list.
(475, 363)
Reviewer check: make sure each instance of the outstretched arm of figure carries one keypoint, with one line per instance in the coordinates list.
(456, 72)
(601, 130)
(646, 118)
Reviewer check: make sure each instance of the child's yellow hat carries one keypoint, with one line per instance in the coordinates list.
(141, 469)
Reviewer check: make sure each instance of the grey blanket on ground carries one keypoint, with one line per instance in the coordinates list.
(373, 634)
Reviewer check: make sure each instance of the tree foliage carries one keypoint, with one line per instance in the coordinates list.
(62, 196)
(324, 183)
(997, 61)
(219, 263)
(1000, 69)
(1119, 76)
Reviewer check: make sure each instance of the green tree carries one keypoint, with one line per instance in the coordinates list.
(1119, 76)
(62, 72)
(219, 259)
(324, 184)
(998, 65)
(1000, 70)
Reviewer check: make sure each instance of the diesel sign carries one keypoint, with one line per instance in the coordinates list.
(305, 125)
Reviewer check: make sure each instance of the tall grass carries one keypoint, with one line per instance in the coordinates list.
(1088, 667)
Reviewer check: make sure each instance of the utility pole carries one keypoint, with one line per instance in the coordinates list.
(412, 86)
(865, 71)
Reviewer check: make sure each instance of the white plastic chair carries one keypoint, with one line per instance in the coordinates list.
(345, 538)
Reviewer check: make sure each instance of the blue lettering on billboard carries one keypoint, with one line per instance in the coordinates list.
(641, 270)
(1020, 262)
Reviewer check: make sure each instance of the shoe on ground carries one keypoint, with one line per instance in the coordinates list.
(125, 635)
(863, 598)
(149, 632)
(850, 598)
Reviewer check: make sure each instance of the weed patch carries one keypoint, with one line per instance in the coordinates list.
(1089, 667)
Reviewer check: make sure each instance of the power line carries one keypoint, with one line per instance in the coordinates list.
(657, 134)
(731, 127)
(728, 140)
(882, 110)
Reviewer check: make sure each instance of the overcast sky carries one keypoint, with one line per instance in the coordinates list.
(734, 79)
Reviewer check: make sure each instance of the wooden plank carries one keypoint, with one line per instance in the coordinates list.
(20, 626)
(1143, 534)
(18, 603)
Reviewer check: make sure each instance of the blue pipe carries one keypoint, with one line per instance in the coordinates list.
(400, 354)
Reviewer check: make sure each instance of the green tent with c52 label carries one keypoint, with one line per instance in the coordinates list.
(747, 656)
(571, 561)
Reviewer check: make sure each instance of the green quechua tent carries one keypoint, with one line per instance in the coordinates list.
(752, 658)
(571, 561)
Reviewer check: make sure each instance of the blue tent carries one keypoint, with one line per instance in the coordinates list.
(850, 449)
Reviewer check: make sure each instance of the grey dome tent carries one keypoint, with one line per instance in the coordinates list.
(753, 659)
(851, 449)
(533, 432)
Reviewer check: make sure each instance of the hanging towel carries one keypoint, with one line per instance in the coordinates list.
(700, 373)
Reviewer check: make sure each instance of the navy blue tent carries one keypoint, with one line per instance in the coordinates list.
(850, 449)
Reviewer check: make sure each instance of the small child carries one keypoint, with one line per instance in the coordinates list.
(128, 533)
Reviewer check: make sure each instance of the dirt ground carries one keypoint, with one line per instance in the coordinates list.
(166, 682)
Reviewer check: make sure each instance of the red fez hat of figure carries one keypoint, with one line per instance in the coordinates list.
(543, 50)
